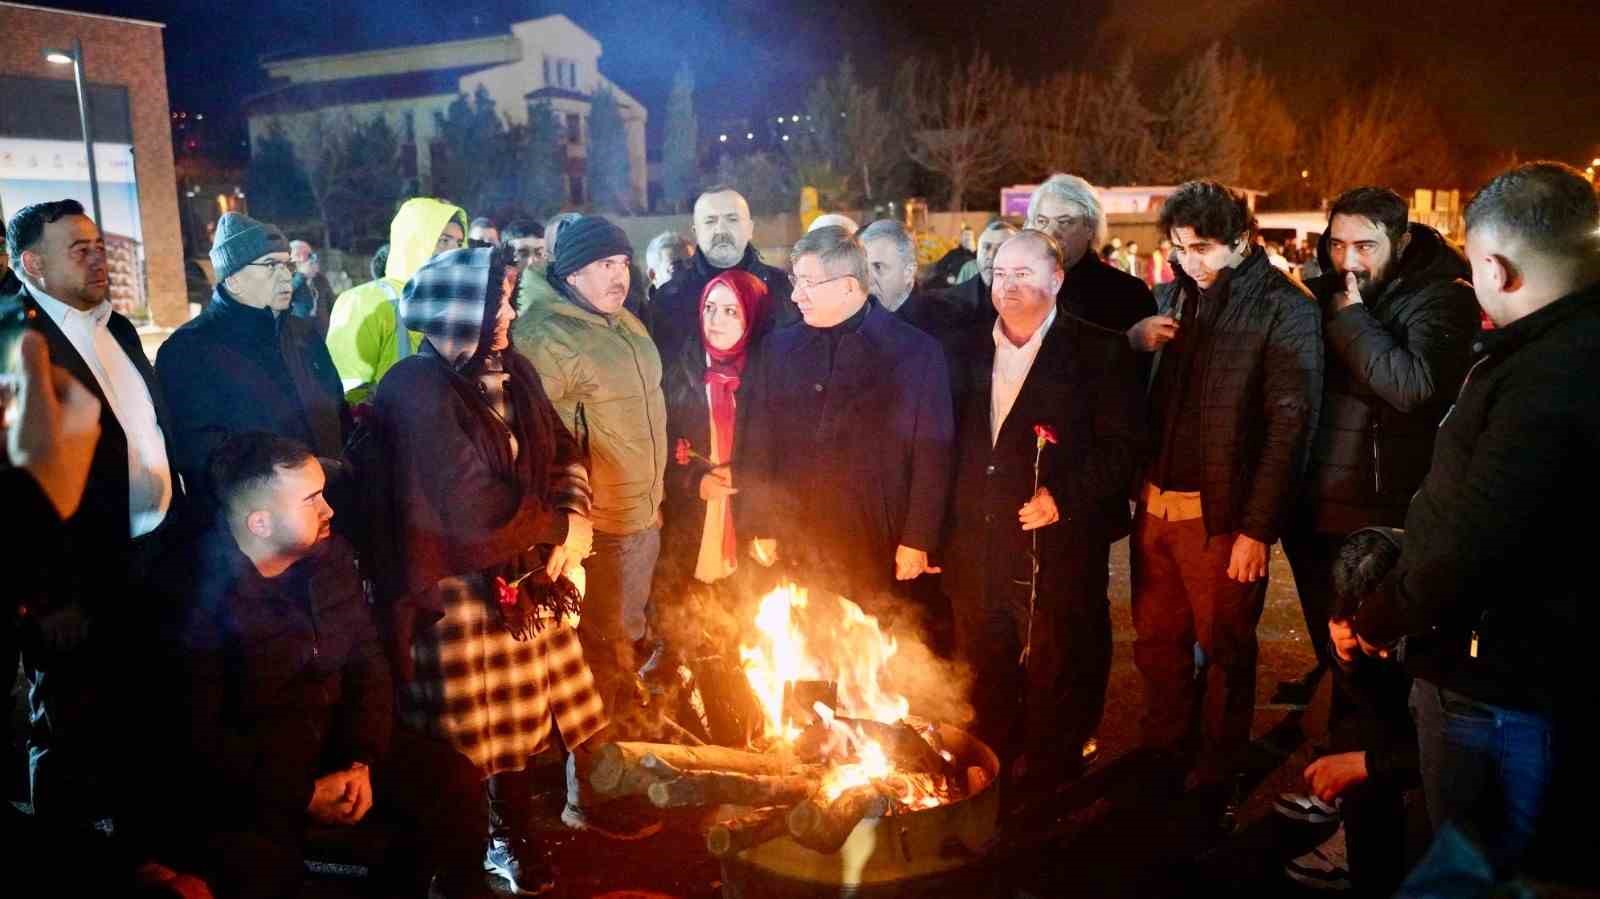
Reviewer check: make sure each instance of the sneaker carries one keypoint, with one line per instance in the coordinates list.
(612, 823)
(1326, 867)
(520, 863)
(1309, 809)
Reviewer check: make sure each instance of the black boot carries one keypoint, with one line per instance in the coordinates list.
(513, 854)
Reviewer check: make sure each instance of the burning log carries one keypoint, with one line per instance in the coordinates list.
(619, 769)
(694, 788)
(824, 828)
(903, 745)
(738, 834)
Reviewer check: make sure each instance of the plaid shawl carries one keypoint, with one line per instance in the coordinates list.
(446, 302)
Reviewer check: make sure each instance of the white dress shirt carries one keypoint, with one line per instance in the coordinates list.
(1011, 366)
(149, 473)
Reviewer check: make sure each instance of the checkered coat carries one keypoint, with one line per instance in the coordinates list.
(466, 504)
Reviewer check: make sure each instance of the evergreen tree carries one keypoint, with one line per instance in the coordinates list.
(544, 188)
(475, 166)
(278, 187)
(357, 177)
(679, 155)
(610, 184)
(1120, 146)
(1197, 137)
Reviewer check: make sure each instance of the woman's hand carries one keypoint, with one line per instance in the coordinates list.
(717, 484)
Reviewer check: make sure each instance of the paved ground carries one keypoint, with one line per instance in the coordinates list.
(1107, 842)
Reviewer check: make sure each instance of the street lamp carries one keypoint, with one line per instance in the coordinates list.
(74, 58)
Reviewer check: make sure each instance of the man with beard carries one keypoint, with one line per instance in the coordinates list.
(846, 464)
(1067, 208)
(1039, 641)
(722, 229)
(1399, 318)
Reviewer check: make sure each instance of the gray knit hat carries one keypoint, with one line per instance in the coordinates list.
(242, 240)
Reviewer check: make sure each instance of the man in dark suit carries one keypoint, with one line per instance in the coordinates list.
(1039, 640)
(87, 637)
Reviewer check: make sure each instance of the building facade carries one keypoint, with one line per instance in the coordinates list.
(41, 144)
(548, 60)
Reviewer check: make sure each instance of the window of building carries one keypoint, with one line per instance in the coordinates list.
(568, 74)
(574, 128)
(575, 189)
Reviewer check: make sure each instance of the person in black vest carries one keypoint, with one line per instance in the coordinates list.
(1492, 592)
(1399, 319)
(723, 228)
(845, 465)
(1040, 644)
(103, 601)
(1233, 406)
(246, 363)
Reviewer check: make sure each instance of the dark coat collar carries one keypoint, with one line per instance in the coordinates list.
(1531, 327)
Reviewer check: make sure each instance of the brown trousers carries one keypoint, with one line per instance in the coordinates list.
(1182, 596)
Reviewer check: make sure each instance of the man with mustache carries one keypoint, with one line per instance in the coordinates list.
(603, 376)
(247, 363)
(102, 591)
(1399, 318)
(723, 228)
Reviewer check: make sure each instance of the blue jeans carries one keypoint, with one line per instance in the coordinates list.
(1485, 768)
(620, 574)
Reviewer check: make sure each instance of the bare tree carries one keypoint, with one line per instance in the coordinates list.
(1196, 136)
(1120, 140)
(1052, 123)
(1388, 135)
(850, 140)
(955, 115)
(1264, 130)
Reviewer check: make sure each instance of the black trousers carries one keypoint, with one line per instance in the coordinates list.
(428, 799)
(1045, 709)
(1311, 556)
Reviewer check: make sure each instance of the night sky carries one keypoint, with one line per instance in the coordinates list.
(1505, 77)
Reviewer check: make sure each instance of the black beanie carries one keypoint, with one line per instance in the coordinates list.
(585, 240)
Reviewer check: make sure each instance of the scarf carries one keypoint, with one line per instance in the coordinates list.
(724, 372)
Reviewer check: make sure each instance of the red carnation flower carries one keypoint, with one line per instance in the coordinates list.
(683, 452)
(1045, 434)
(506, 593)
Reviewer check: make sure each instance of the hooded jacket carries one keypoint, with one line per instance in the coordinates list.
(362, 331)
(608, 366)
(458, 501)
(1394, 364)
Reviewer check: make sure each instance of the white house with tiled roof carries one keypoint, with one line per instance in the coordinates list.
(548, 59)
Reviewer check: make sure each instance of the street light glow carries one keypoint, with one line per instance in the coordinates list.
(58, 57)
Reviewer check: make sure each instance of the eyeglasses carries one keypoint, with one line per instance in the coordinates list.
(272, 265)
(808, 285)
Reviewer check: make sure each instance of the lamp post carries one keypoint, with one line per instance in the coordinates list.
(74, 57)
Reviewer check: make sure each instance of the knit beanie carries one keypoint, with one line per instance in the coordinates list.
(585, 240)
(242, 240)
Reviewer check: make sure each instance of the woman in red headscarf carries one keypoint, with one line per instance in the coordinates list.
(704, 392)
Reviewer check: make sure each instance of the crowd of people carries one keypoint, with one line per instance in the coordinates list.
(333, 560)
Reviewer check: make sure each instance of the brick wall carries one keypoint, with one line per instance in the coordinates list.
(128, 54)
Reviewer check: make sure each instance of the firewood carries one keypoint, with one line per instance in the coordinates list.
(824, 828)
(904, 746)
(695, 788)
(738, 834)
(618, 768)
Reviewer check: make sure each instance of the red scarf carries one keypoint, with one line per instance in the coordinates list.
(724, 369)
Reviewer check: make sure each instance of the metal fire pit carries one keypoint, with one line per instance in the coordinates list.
(924, 852)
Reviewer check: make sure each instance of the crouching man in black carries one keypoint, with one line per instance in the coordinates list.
(292, 708)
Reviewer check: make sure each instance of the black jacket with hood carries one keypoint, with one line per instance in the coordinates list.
(1394, 363)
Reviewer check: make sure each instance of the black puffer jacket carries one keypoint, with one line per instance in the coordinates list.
(1394, 364)
(1261, 365)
